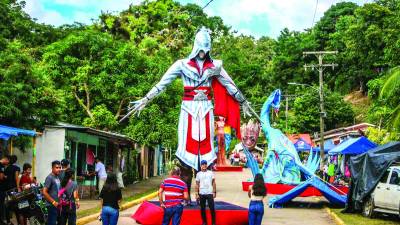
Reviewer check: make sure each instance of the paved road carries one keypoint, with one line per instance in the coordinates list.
(229, 189)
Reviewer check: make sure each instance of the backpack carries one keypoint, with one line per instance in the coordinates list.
(65, 200)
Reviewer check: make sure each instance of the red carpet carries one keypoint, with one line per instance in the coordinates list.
(229, 169)
(278, 189)
(150, 213)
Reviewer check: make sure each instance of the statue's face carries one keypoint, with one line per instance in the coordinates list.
(202, 54)
(249, 140)
(250, 132)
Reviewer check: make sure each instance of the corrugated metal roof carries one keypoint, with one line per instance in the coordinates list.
(91, 131)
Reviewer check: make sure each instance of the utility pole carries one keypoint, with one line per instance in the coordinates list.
(287, 108)
(320, 67)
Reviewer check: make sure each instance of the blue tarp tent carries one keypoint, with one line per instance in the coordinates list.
(7, 132)
(328, 145)
(302, 145)
(353, 146)
(332, 196)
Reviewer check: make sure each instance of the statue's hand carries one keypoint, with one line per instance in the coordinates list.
(246, 109)
(138, 106)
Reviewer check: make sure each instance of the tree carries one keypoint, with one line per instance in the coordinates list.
(306, 111)
(287, 64)
(327, 24)
(28, 99)
(390, 94)
(361, 39)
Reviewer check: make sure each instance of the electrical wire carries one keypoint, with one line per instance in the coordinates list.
(207, 4)
(315, 13)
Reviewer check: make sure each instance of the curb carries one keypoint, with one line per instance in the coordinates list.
(335, 217)
(93, 217)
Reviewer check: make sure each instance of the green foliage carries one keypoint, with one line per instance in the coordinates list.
(381, 136)
(23, 143)
(28, 99)
(390, 92)
(306, 111)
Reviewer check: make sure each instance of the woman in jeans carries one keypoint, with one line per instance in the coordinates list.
(257, 193)
(111, 197)
(68, 198)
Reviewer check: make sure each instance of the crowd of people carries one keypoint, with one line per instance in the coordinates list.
(173, 195)
(60, 191)
(11, 178)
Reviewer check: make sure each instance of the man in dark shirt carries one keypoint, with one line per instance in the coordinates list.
(3, 163)
(50, 193)
(65, 164)
(12, 173)
(12, 182)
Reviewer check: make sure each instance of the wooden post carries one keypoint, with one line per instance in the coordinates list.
(11, 146)
(34, 157)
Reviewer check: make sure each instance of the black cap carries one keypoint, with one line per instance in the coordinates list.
(65, 162)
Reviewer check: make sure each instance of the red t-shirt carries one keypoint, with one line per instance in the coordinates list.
(25, 180)
(174, 188)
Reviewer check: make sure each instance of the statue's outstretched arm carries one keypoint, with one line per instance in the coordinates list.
(172, 73)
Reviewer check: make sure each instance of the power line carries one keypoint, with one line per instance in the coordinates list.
(207, 4)
(315, 13)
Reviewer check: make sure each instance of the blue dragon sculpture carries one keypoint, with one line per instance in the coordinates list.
(281, 163)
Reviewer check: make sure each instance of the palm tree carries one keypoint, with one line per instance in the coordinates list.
(389, 91)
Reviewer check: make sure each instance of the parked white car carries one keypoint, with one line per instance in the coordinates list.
(386, 196)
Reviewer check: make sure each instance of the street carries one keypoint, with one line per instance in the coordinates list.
(304, 210)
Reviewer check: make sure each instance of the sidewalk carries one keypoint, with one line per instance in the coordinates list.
(130, 191)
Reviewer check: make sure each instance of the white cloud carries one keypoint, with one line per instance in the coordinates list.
(35, 9)
(83, 11)
(293, 14)
(251, 17)
(105, 5)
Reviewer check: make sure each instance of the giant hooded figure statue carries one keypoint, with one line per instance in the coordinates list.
(202, 76)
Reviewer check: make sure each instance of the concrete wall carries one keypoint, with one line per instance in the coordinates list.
(49, 147)
(23, 157)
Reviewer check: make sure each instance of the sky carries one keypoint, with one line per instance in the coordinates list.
(251, 17)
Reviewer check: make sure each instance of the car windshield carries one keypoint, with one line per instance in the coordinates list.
(394, 178)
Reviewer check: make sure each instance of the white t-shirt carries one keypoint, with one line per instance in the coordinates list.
(101, 171)
(205, 179)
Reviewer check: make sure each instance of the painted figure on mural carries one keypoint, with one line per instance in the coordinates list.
(201, 76)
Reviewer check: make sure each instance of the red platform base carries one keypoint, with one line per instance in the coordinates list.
(278, 189)
(229, 169)
(150, 213)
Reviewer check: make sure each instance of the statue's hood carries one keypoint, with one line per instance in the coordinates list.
(202, 41)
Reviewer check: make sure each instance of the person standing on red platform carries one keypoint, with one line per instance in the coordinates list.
(175, 193)
(206, 191)
(257, 193)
